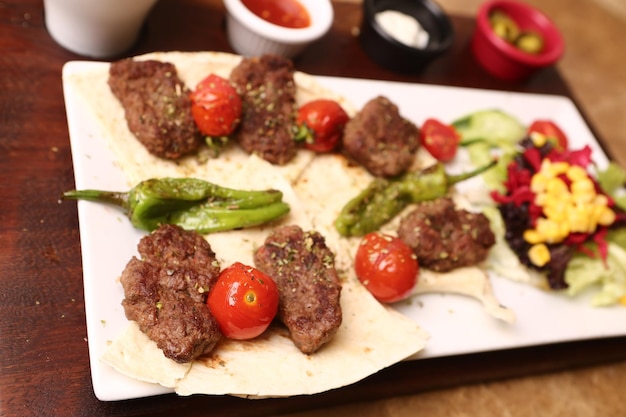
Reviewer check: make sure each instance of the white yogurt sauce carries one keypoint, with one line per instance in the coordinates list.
(403, 28)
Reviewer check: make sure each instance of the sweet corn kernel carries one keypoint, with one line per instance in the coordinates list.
(556, 211)
(584, 185)
(545, 168)
(541, 199)
(601, 200)
(606, 216)
(556, 187)
(549, 230)
(539, 139)
(576, 172)
(539, 254)
(579, 219)
(538, 183)
(560, 202)
(558, 168)
(583, 198)
(532, 236)
(595, 212)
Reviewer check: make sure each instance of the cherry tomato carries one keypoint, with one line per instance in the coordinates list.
(322, 122)
(386, 266)
(439, 139)
(244, 301)
(552, 131)
(215, 106)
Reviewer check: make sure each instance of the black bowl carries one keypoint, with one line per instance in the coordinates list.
(390, 53)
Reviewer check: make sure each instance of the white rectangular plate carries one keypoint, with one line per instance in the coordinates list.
(457, 324)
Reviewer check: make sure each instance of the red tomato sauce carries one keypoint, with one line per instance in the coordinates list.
(286, 13)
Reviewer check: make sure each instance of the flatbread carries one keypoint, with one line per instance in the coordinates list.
(323, 207)
(470, 281)
(371, 337)
(137, 163)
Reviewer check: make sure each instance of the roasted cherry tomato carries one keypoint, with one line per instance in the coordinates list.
(550, 130)
(439, 139)
(244, 301)
(386, 266)
(215, 106)
(321, 123)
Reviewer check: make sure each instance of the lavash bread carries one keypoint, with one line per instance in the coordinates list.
(371, 337)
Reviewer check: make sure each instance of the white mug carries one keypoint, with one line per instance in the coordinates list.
(96, 28)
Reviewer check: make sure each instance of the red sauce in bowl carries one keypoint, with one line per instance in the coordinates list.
(286, 13)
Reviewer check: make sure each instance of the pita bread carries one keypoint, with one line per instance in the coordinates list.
(371, 336)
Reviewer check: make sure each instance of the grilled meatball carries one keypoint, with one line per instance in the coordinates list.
(268, 92)
(309, 288)
(444, 238)
(380, 139)
(156, 105)
(165, 292)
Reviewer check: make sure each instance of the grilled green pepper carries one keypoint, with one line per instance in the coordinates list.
(191, 203)
(383, 199)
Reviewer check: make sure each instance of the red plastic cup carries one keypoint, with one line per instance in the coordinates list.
(505, 61)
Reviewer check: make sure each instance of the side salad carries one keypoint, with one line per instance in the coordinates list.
(562, 217)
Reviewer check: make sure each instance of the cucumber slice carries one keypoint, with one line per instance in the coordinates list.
(494, 127)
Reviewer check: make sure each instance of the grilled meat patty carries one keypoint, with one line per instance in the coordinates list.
(309, 288)
(268, 93)
(380, 139)
(444, 238)
(165, 292)
(156, 105)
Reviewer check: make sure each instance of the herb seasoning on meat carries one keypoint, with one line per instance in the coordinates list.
(380, 139)
(268, 92)
(156, 105)
(303, 268)
(165, 292)
(444, 238)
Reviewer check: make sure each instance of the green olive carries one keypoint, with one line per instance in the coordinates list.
(506, 28)
(503, 26)
(530, 42)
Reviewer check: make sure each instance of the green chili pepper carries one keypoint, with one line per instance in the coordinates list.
(384, 199)
(191, 203)
(371, 208)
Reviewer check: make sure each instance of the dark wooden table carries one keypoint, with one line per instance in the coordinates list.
(44, 367)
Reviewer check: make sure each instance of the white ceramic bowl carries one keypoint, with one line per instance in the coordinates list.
(250, 35)
(96, 28)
